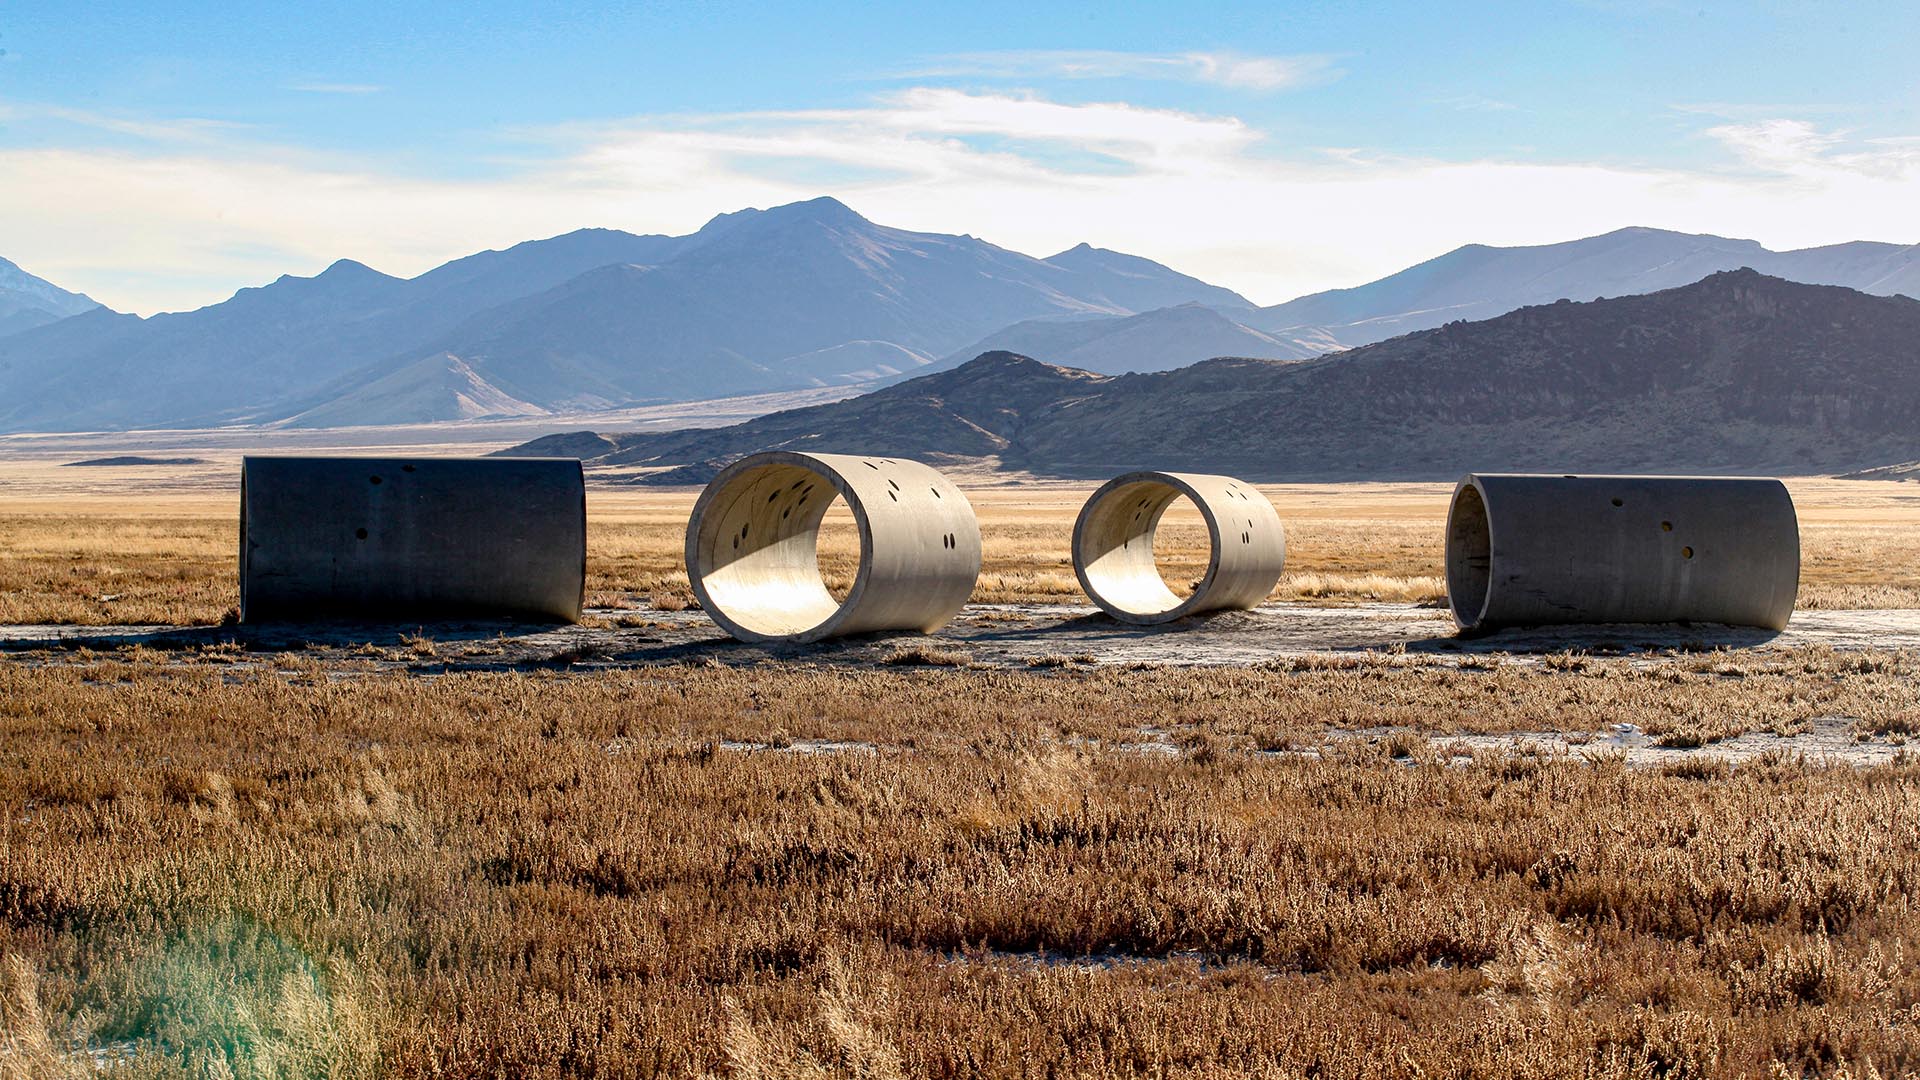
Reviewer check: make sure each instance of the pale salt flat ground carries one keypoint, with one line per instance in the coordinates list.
(1069, 638)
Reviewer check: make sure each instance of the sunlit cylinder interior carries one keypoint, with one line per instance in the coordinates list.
(1113, 546)
(753, 546)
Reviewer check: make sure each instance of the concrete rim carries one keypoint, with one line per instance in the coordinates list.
(725, 485)
(1469, 554)
(1165, 489)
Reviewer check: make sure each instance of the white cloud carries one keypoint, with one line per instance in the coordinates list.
(1799, 150)
(1206, 194)
(1263, 73)
(175, 130)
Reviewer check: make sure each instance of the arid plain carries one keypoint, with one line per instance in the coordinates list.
(392, 859)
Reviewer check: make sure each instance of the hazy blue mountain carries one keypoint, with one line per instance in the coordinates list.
(27, 301)
(1473, 282)
(1138, 284)
(1479, 282)
(1150, 341)
(801, 295)
(1738, 372)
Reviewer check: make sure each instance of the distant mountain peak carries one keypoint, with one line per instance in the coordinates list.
(1001, 364)
(349, 268)
(825, 210)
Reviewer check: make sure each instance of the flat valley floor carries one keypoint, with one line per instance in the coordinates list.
(1324, 838)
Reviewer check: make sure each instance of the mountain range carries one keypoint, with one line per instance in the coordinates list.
(1738, 372)
(27, 301)
(805, 295)
(802, 295)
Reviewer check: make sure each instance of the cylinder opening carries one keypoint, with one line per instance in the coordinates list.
(1469, 556)
(760, 564)
(837, 549)
(1143, 549)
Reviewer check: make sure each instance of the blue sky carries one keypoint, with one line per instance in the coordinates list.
(160, 156)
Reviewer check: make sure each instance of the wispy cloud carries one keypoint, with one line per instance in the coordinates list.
(150, 129)
(1263, 73)
(1800, 150)
(1209, 194)
(335, 88)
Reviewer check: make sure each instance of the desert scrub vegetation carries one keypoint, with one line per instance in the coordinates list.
(252, 873)
(112, 560)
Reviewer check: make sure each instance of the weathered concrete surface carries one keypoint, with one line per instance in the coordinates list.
(752, 546)
(411, 538)
(1530, 550)
(1113, 546)
(992, 636)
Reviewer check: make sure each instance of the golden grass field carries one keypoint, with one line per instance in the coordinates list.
(254, 866)
(103, 554)
(277, 873)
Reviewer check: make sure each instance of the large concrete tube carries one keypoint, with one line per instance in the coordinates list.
(411, 538)
(1533, 550)
(1113, 545)
(752, 558)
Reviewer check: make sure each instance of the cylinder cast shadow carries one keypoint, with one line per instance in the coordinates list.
(1113, 546)
(752, 546)
(406, 539)
(1536, 550)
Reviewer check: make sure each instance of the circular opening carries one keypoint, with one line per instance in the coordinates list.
(837, 550)
(1686, 553)
(1469, 557)
(359, 534)
(1181, 547)
(762, 557)
(1142, 549)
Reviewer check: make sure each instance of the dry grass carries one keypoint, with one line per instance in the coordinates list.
(170, 558)
(275, 873)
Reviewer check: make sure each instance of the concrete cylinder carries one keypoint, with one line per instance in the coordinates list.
(1527, 550)
(1113, 545)
(752, 546)
(412, 538)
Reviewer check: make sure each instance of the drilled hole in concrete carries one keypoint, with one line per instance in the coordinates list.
(1686, 553)
(1666, 526)
(1619, 502)
(359, 534)
(373, 479)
